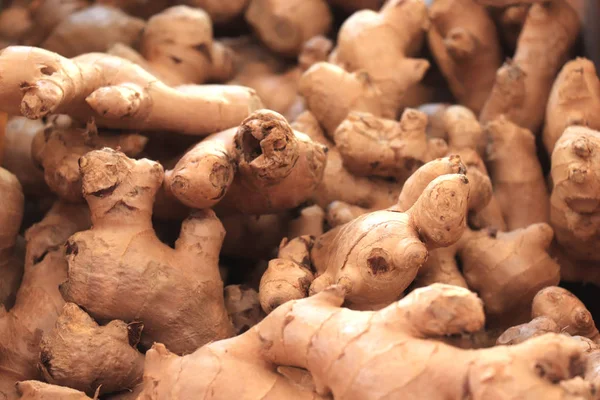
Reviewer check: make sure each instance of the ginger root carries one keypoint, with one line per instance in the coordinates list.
(35, 390)
(220, 11)
(179, 292)
(116, 93)
(355, 355)
(57, 150)
(523, 84)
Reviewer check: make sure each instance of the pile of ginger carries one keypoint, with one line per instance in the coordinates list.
(300, 199)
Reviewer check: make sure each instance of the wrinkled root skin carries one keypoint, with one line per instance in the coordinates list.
(342, 349)
(81, 355)
(115, 92)
(179, 292)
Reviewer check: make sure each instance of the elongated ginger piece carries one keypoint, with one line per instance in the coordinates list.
(58, 149)
(94, 28)
(179, 293)
(523, 84)
(284, 25)
(38, 302)
(36, 390)
(519, 333)
(368, 192)
(345, 351)
(464, 42)
(372, 146)
(517, 174)
(116, 93)
(94, 359)
(11, 215)
(20, 133)
(574, 202)
(566, 310)
(177, 47)
(574, 99)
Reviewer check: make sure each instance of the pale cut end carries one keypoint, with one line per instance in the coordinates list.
(116, 102)
(41, 100)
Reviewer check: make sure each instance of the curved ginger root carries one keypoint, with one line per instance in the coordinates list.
(263, 167)
(11, 214)
(35, 390)
(517, 174)
(377, 255)
(38, 302)
(179, 293)
(94, 359)
(116, 93)
(464, 42)
(574, 202)
(354, 355)
(284, 25)
(523, 84)
(177, 47)
(372, 146)
(574, 99)
(57, 150)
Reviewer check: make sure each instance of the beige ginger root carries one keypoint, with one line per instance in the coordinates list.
(262, 167)
(35, 390)
(285, 25)
(11, 215)
(377, 255)
(517, 174)
(116, 93)
(94, 28)
(177, 47)
(38, 302)
(574, 202)
(220, 11)
(464, 42)
(574, 99)
(94, 359)
(179, 292)
(57, 150)
(523, 84)
(351, 355)
(372, 146)
(520, 333)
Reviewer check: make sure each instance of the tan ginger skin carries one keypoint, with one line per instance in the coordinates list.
(574, 202)
(220, 11)
(372, 146)
(284, 25)
(38, 301)
(80, 354)
(48, 14)
(36, 390)
(517, 174)
(464, 41)
(94, 28)
(57, 150)
(177, 47)
(377, 255)
(11, 215)
(116, 93)
(351, 355)
(183, 307)
(574, 99)
(262, 167)
(523, 84)
(365, 76)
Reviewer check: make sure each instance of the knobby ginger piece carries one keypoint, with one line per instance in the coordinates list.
(523, 84)
(574, 99)
(354, 355)
(464, 41)
(115, 92)
(179, 292)
(284, 25)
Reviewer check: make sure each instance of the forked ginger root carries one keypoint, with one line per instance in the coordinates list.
(376, 256)
(116, 93)
(179, 292)
(354, 355)
(574, 100)
(464, 42)
(262, 167)
(523, 84)
(94, 359)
